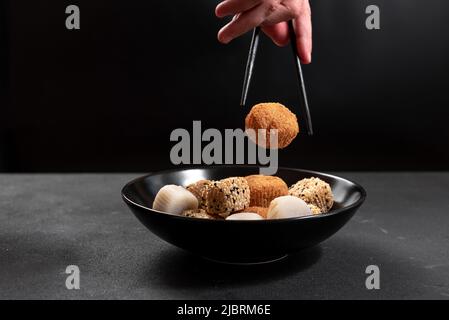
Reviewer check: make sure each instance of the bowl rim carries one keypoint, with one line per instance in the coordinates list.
(264, 221)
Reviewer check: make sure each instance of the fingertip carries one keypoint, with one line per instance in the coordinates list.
(222, 38)
(308, 53)
(218, 12)
(278, 33)
(304, 50)
(281, 42)
(307, 59)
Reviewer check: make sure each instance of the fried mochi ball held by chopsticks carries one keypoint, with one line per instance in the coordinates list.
(268, 116)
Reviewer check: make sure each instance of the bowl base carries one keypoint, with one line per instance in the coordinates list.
(248, 262)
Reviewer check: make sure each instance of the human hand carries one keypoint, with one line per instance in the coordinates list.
(272, 16)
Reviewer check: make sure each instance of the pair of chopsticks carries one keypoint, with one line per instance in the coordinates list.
(304, 106)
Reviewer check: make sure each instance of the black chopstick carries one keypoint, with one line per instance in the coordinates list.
(302, 92)
(250, 65)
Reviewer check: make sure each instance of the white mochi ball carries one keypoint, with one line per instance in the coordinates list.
(244, 216)
(287, 207)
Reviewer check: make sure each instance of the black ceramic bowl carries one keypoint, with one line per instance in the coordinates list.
(240, 241)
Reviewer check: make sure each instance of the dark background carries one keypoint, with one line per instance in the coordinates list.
(106, 97)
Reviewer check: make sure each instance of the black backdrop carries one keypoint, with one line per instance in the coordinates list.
(106, 97)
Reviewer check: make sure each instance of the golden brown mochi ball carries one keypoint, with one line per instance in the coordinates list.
(314, 191)
(263, 189)
(199, 190)
(272, 115)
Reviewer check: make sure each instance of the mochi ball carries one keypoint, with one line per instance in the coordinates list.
(244, 216)
(288, 207)
(174, 199)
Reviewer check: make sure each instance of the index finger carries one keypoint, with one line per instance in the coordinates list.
(242, 24)
(232, 7)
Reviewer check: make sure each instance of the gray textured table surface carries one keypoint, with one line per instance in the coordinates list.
(50, 221)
